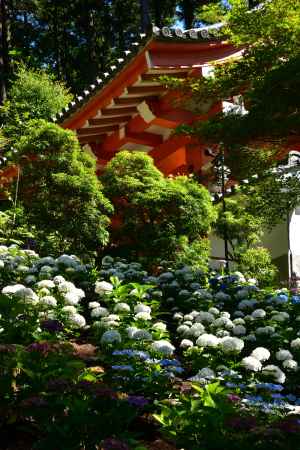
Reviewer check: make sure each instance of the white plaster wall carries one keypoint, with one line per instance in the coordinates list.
(276, 240)
(295, 240)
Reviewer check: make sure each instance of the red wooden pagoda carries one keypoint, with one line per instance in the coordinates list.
(129, 108)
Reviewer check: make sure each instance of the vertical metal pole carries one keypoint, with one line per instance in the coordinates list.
(224, 210)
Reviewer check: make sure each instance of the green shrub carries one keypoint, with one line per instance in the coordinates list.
(256, 263)
(59, 189)
(154, 211)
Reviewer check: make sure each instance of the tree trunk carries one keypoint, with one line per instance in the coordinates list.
(188, 13)
(145, 16)
(4, 57)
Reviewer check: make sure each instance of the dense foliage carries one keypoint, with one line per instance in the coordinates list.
(59, 189)
(267, 75)
(154, 211)
(33, 95)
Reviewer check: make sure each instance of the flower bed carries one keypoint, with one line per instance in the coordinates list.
(202, 360)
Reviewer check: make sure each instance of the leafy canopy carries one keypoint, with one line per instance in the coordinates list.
(154, 212)
(59, 189)
(34, 94)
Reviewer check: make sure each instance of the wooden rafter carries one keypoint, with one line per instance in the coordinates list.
(97, 130)
(109, 120)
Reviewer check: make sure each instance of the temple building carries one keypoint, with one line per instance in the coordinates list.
(129, 108)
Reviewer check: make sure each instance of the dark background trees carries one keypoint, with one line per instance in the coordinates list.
(76, 40)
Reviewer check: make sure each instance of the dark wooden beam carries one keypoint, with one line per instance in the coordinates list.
(109, 120)
(97, 130)
(145, 90)
(119, 111)
(131, 100)
(94, 139)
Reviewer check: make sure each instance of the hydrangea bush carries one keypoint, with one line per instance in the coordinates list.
(213, 349)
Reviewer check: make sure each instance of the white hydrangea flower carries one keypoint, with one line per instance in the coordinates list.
(239, 321)
(225, 314)
(114, 317)
(164, 347)
(223, 322)
(250, 338)
(141, 308)
(186, 343)
(239, 330)
(58, 279)
(141, 335)
(189, 317)
(231, 344)
(111, 337)
(67, 260)
(177, 316)
(30, 279)
(275, 372)
(46, 270)
(93, 305)
(21, 268)
(259, 314)
(46, 261)
(159, 326)
(12, 289)
(130, 331)
(77, 320)
(71, 298)
(196, 330)
(194, 314)
(66, 286)
(111, 324)
(290, 364)
(188, 323)
(20, 291)
(48, 284)
(204, 374)
(142, 316)
(69, 309)
(48, 300)
(99, 312)
(282, 355)
(122, 308)
(222, 333)
(183, 329)
(207, 340)
(295, 344)
(103, 287)
(261, 354)
(249, 318)
(205, 317)
(265, 331)
(44, 291)
(252, 364)
(214, 311)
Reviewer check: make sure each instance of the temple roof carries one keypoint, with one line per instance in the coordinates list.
(128, 107)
